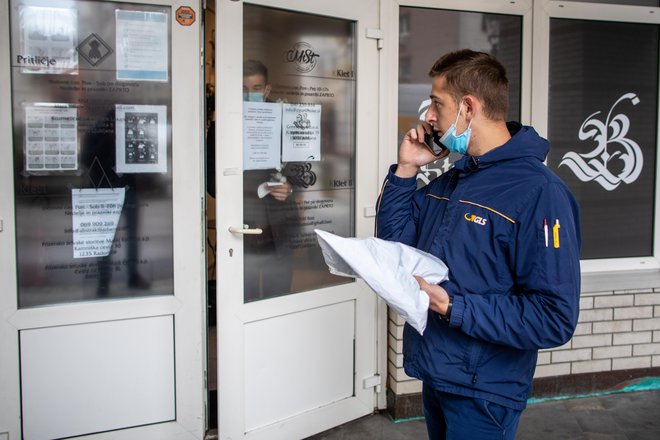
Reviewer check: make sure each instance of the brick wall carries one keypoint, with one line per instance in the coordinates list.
(617, 330)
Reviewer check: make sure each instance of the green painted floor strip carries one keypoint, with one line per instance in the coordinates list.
(646, 384)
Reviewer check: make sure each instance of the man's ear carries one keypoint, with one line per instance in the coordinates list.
(471, 105)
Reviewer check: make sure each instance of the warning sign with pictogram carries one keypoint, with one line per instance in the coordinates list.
(185, 15)
(94, 49)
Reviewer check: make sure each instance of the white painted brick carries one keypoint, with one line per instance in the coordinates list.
(612, 326)
(596, 315)
(655, 361)
(631, 363)
(601, 302)
(647, 299)
(395, 330)
(656, 311)
(552, 370)
(397, 373)
(592, 341)
(616, 351)
(394, 344)
(394, 316)
(566, 346)
(586, 302)
(609, 292)
(646, 349)
(623, 291)
(656, 336)
(631, 338)
(633, 312)
(583, 328)
(591, 366)
(646, 324)
(583, 354)
(406, 387)
(543, 358)
(395, 358)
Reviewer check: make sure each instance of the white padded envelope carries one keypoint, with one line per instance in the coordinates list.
(388, 268)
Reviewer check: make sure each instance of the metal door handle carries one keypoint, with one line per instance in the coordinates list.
(245, 230)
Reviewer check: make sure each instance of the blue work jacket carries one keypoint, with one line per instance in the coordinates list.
(508, 229)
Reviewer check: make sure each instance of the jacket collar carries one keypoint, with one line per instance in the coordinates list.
(524, 142)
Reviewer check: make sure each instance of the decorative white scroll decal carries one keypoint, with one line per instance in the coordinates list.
(597, 165)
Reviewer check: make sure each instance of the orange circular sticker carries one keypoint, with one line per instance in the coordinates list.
(185, 15)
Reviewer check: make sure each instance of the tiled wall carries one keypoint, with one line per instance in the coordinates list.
(617, 330)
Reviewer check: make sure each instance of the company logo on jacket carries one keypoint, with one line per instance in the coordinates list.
(475, 219)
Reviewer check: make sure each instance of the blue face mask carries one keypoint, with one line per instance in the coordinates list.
(253, 96)
(457, 143)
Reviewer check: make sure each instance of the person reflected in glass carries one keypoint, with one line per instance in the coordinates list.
(98, 155)
(268, 204)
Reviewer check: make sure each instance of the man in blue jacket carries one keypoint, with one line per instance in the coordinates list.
(508, 229)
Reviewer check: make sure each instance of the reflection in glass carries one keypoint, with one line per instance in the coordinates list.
(602, 127)
(92, 159)
(427, 34)
(299, 88)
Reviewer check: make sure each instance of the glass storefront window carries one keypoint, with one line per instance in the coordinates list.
(92, 97)
(299, 146)
(430, 33)
(602, 127)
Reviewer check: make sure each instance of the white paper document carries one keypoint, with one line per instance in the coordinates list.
(142, 45)
(301, 137)
(95, 215)
(388, 268)
(48, 40)
(141, 138)
(262, 132)
(51, 137)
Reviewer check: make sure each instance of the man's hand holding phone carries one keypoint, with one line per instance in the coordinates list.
(415, 152)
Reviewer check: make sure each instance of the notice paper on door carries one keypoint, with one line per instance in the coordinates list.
(95, 214)
(388, 268)
(301, 137)
(262, 130)
(51, 137)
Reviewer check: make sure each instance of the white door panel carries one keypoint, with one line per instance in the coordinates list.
(296, 354)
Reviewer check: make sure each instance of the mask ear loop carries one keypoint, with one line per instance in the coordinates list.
(458, 116)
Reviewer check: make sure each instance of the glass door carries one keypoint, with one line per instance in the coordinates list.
(295, 101)
(101, 308)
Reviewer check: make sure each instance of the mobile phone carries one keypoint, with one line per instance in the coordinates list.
(432, 142)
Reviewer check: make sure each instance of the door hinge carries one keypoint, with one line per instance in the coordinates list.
(376, 34)
(2, 225)
(371, 382)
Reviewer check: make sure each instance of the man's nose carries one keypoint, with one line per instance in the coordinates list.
(430, 114)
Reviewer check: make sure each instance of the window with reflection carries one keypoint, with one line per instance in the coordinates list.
(299, 76)
(430, 33)
(602, 126)
(92, 96)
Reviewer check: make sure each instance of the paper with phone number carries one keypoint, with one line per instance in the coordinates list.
(388, 268)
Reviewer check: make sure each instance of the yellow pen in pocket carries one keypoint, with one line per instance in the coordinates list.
(555, 234)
